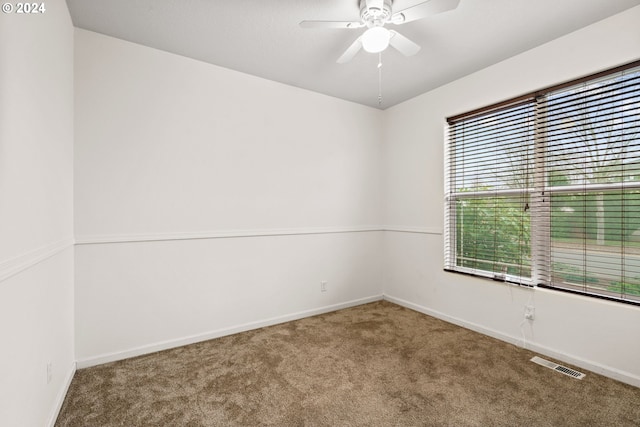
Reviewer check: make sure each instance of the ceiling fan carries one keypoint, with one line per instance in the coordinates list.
(374, 14)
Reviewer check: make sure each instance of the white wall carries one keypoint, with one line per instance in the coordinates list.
(209, 201)
(36, 214)
(592, 333)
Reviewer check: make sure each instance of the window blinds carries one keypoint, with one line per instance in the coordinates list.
(592, 168)
(545, 189)
(490, 160)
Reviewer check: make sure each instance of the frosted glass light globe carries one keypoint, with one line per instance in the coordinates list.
(375, 39)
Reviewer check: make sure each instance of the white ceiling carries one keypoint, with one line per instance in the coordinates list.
(262, 38)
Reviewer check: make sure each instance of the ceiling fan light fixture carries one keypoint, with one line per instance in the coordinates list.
(376, 39)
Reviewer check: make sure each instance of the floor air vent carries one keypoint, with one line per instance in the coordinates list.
(562, 369)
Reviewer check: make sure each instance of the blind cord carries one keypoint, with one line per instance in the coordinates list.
(524, 336)
(380, 79)
(530, 303)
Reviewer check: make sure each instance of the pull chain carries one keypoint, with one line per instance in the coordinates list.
(380, 79)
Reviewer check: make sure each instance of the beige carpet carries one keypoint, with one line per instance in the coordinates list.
(373, 365)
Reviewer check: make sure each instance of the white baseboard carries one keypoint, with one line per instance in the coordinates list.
(165, 345)
(597, 368)
(62, 393)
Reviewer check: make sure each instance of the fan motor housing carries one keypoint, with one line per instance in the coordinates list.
(373, 16)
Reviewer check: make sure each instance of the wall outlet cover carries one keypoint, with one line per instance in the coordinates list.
(529, 312)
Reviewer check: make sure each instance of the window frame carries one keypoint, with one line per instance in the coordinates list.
(539, 193)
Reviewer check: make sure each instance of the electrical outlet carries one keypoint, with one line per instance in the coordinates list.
(529, 312)
(49, 372)
(323, 286)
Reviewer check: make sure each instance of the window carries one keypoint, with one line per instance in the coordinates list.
(544, 189)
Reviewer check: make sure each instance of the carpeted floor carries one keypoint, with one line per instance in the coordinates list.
(374, 365)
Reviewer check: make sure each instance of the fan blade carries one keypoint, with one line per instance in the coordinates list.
(351, 51)
(331, 24)
(422, 10)
(403, 44)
